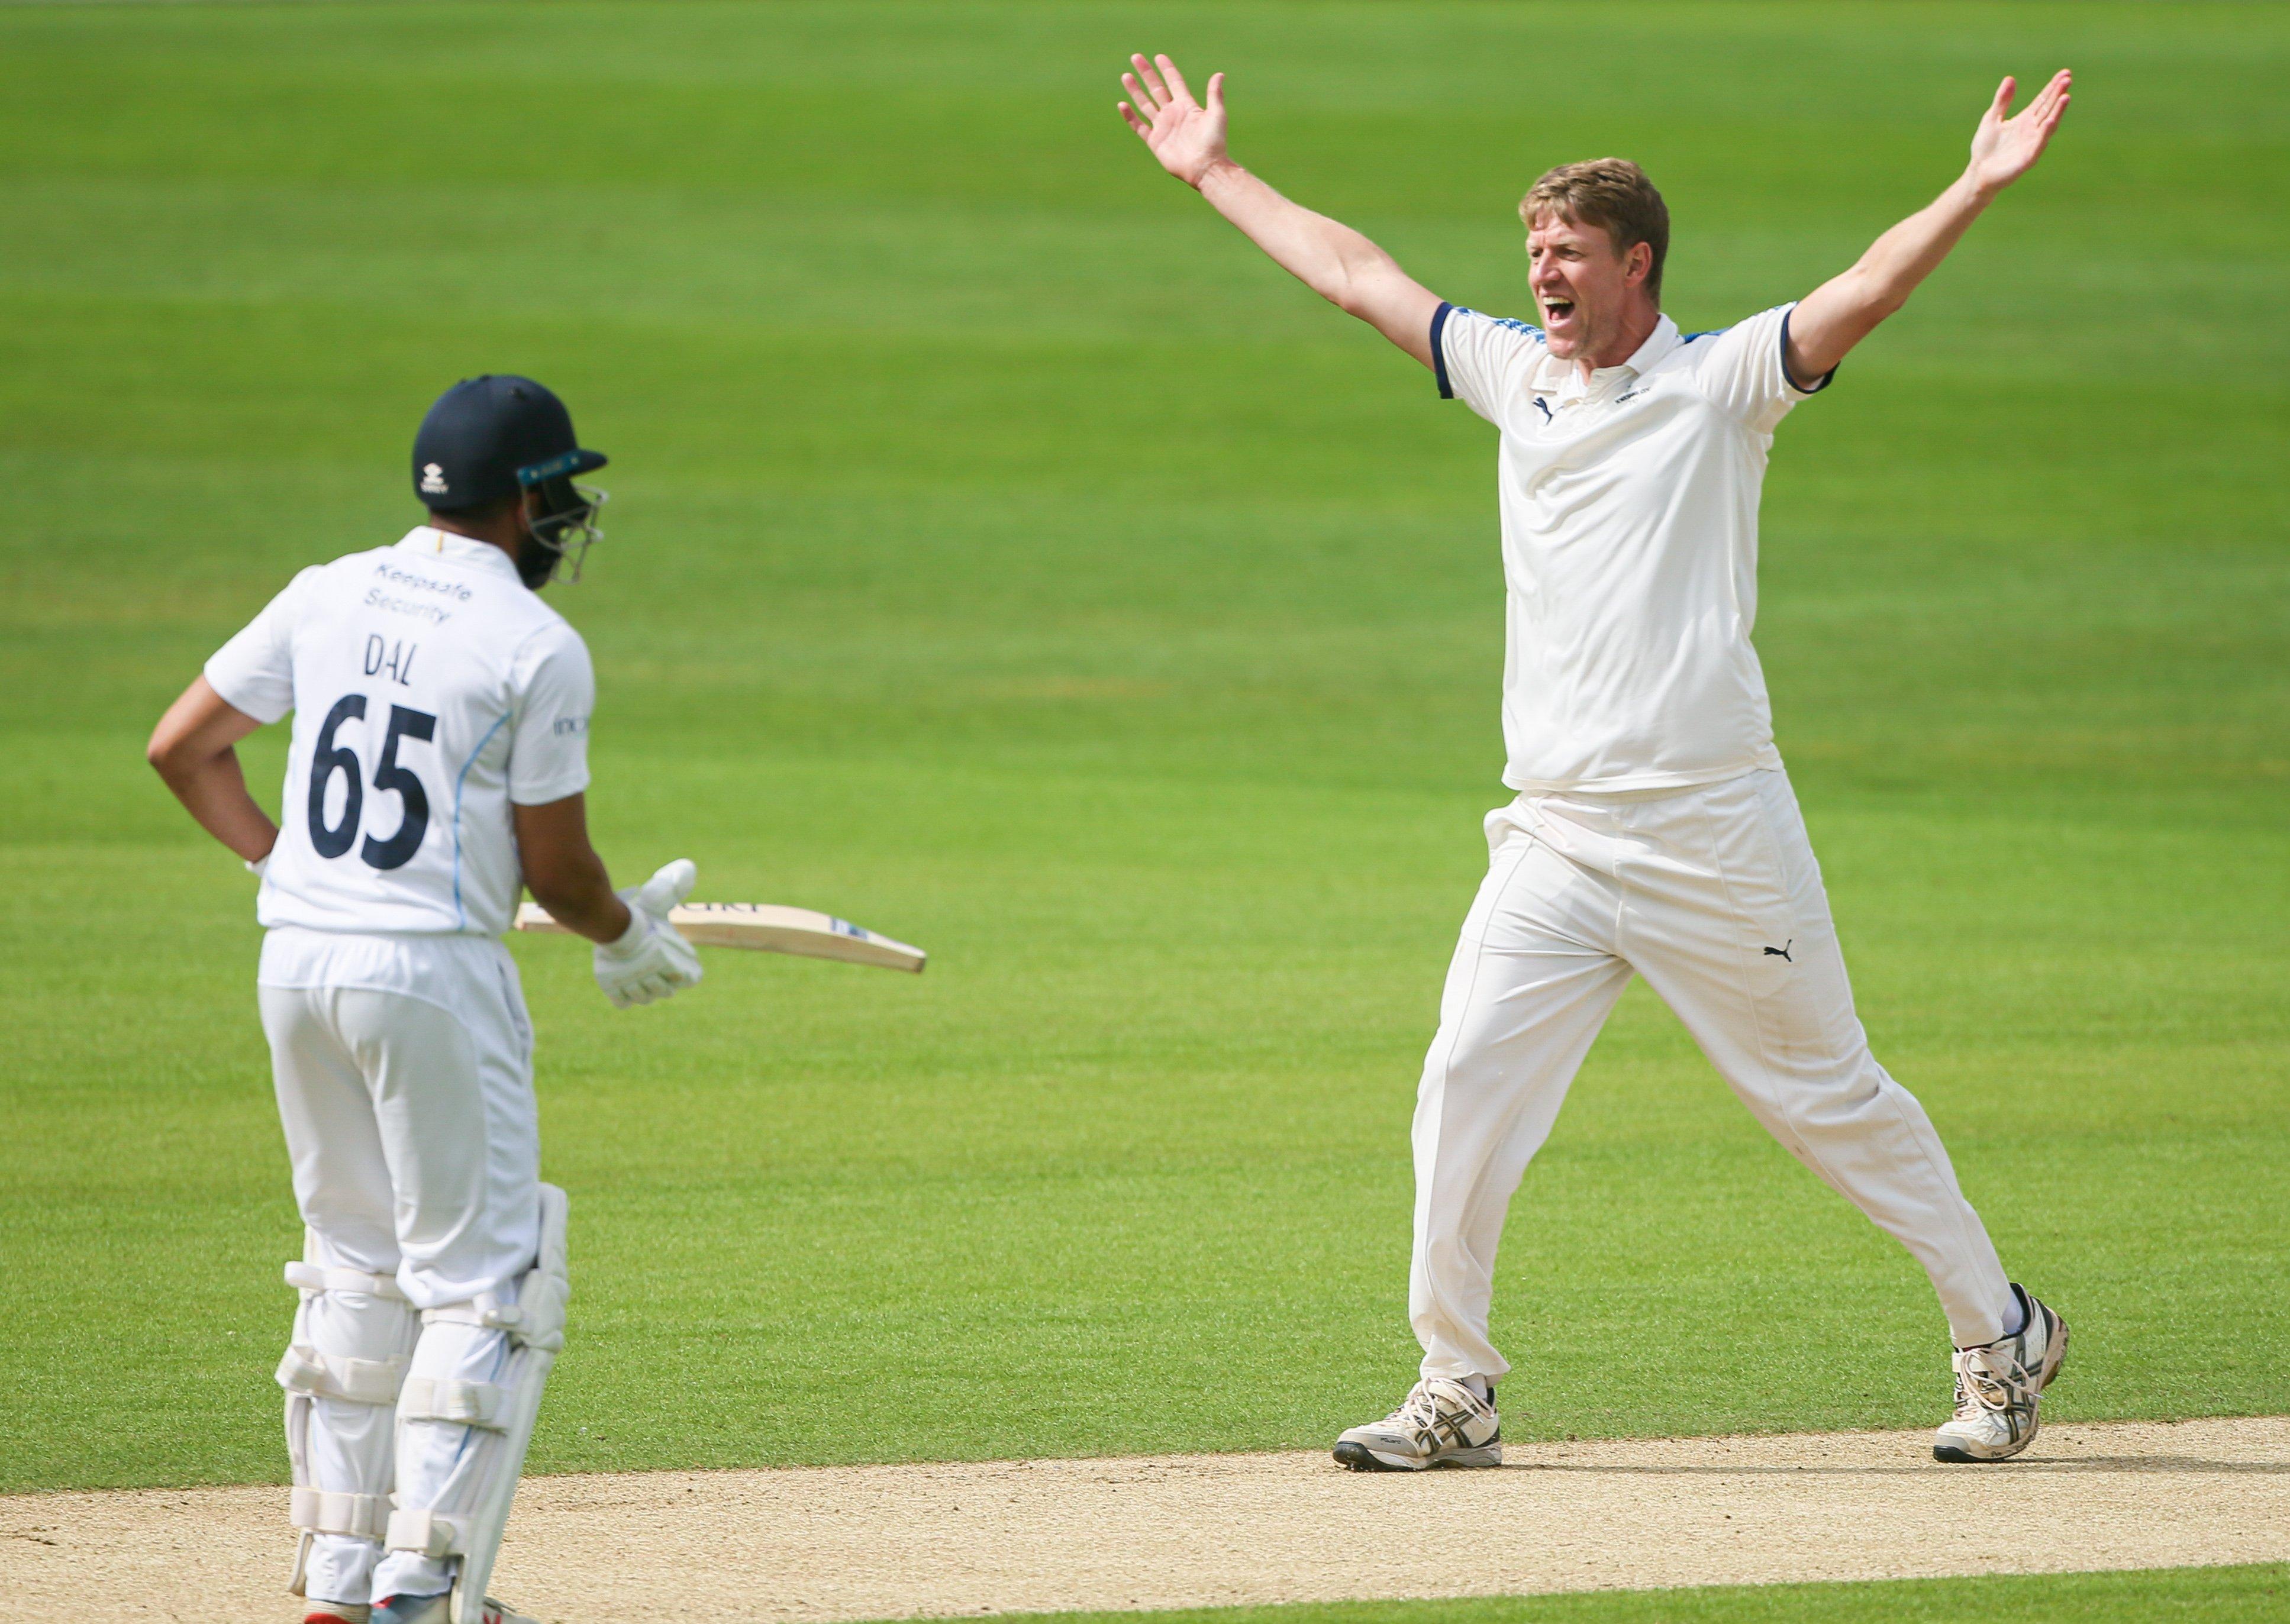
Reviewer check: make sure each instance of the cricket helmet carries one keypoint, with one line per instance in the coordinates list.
(499, 436)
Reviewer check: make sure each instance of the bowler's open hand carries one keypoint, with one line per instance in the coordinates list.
(2004, 149)
(1188, 137)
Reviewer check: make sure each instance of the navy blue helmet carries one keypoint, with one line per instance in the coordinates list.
(499, 436)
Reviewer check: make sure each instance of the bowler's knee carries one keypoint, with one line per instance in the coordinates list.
(1820, 1100)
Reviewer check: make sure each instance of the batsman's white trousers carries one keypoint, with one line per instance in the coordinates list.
(403, 1068)
(1712, 894)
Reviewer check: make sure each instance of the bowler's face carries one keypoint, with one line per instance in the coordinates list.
(1580, 283)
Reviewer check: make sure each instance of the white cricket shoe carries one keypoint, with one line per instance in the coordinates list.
(1443, 1423)
(1998, 1386)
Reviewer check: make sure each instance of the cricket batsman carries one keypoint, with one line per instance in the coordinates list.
(1654, 830)
(439, 762)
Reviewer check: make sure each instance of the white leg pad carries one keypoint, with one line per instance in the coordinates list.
(534, 1326)
(353, 1335)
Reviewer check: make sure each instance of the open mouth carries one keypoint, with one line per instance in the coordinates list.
(1557, 312)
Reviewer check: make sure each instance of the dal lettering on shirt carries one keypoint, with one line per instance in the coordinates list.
(431, 689)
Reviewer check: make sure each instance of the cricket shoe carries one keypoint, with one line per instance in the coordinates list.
(1998, 1386)
(1443, 1423)
(438, 1610)
(336, 1612)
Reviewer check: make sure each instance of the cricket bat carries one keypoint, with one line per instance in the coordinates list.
(768, 928)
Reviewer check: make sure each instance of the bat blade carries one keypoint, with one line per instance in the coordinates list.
(765, 927)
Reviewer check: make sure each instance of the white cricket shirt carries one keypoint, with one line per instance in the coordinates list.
(431, 689)
(1629, 540)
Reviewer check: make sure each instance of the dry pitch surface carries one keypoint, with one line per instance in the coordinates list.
(1180, 1530)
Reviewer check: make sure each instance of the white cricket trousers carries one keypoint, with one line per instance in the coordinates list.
(1712, 894)
(404, 1068)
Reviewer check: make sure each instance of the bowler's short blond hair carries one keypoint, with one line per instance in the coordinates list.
(1612, 194)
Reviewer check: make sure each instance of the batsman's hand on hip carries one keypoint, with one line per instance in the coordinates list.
(650, 960)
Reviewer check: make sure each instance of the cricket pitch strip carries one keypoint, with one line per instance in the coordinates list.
(845, 1543)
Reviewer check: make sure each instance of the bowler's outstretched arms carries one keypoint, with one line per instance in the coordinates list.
(1842, 311)
(1330, 257)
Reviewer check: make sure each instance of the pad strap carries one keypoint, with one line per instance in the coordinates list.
(321, 1511)
(487, 1312)
(524, 1325)
(536, 1319)
(473, 1404)
(433, 1533)
(359, 1381)
(312, 1277)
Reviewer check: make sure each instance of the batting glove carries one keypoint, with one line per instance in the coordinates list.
(650, 960)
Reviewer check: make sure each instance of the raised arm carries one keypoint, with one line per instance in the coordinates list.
(1844, 310)
(1330, 257)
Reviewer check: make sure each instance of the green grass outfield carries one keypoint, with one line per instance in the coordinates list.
(1004, 556)
(2215, 1596)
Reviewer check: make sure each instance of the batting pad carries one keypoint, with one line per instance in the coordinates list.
(534, 1325)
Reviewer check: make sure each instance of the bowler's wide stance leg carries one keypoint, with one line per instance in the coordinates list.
(1727, 920)
(1531, 981)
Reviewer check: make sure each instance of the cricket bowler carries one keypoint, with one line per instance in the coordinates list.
(1654, 830)
(439, 762)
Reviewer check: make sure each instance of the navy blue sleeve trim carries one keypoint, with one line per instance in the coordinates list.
(1818, 384)
(1439, 356)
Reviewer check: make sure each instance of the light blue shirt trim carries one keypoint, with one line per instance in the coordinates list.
(460, 917)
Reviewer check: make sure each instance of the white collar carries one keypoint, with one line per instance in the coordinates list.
(1658, 343)
(1605, 381)
(428, 539)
